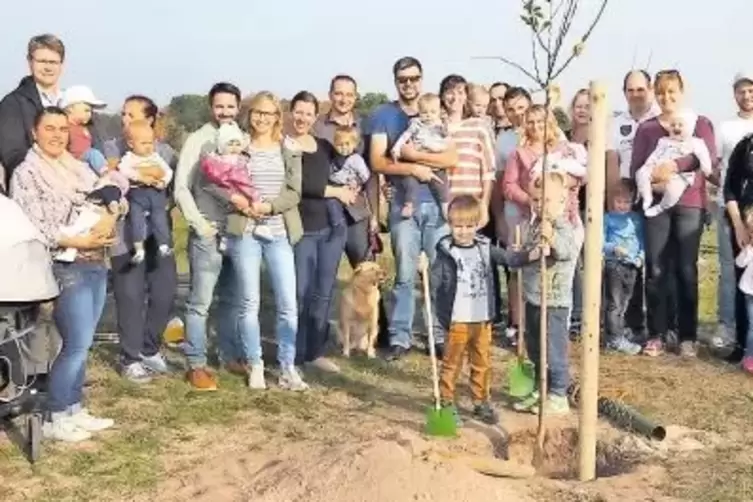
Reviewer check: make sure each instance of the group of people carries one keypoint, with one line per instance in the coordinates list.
(464, 167)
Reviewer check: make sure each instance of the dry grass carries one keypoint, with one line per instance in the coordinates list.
(163, 426)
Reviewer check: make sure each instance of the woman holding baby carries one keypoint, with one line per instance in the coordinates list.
(673, 237)
(274, 165)
(141, 321)
(51, 187)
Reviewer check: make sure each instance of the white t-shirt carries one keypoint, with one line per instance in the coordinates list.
(623, 131)
(472, 294)
(728, 136)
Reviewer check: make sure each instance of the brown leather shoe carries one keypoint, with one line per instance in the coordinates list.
(201, 379)
(237, 367)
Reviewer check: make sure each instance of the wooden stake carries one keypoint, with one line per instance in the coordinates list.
(521, 304)
(592, 267)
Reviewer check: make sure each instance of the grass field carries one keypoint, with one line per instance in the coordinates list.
(165, 433)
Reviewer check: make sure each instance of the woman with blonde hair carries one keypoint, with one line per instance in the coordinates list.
(276, 169)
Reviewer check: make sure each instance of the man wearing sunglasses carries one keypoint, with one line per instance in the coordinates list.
(421, 232)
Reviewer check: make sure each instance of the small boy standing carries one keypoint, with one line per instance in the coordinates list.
(78, 102)
(553, 233)
(623, 259)
(149, 175)
(463, 300)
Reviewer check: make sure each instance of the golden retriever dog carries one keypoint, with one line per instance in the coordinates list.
(358, 325)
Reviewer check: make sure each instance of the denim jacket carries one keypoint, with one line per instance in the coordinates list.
(444, 277)
(565, 249)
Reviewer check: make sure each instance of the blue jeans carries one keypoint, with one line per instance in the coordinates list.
(246, 253)
(410, 236)
(558, 374)
(727, 285)
(317, 258)
(209, 272)
(83, 289)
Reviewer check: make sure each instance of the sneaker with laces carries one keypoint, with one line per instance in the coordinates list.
(290, 379)
(624, 346)
(485, 413)
(89, 423)
(63, 429)
(553, 405)
(527, 403)
(201, 380)
(155, 363)
(136, 373)
(256, 377)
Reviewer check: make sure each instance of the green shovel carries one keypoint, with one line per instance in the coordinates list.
(521, 374)
(440, 421)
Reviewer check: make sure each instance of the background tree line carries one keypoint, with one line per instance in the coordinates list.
(188, 112)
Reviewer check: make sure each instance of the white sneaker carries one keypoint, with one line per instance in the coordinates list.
(290, 379)
(89, 423)
(155, 363)
(256, 377)
(136, 373)
(64, 429)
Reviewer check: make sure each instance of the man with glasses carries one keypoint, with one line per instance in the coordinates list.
(40, 89)
(422, 231)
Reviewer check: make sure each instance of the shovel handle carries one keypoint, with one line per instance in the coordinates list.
(430, 330)
(519, 299)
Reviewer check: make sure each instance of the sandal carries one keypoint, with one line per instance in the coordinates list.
(653, 347)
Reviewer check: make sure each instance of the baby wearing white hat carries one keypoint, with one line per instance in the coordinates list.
(79, 101)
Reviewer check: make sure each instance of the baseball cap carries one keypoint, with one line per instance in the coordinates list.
(746, 76)
(80, 94)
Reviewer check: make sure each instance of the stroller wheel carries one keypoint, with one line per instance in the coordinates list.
(34, 435)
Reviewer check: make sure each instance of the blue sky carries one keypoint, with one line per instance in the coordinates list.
(167, 47)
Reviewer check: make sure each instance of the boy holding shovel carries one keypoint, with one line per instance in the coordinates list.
(553, 233)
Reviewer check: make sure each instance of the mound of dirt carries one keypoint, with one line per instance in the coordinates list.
(374, 471)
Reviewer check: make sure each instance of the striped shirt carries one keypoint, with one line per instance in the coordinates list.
(267, 169)
(475, 150)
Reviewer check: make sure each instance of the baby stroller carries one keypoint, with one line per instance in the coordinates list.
(26, 347)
